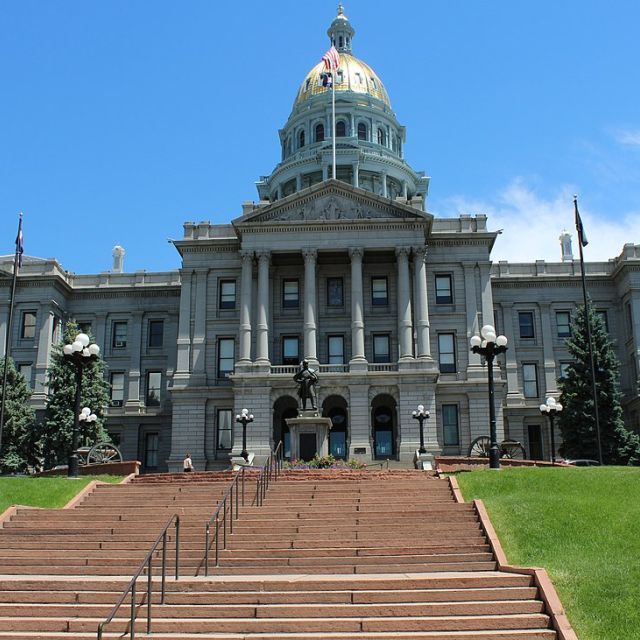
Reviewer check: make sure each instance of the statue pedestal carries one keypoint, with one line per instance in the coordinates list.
(238, 461)
(424, 461)
(309, 435)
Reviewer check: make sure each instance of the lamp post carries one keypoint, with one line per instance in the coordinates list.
(244, 418)
(551, 408)
(80, 352)
(490, 345)
(421, 415)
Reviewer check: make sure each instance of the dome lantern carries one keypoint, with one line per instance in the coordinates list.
(341, 32)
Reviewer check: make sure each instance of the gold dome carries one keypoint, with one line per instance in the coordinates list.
(356, 76)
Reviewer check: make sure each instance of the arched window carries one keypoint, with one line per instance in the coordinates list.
(301, 139)
(341, 41)
(382, 138)
(319, 132)
(362, 131)
(341, 129)
(338, 433)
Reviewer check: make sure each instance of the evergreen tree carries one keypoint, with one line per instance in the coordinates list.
(57, 432)
(20, 449)
(577, 419)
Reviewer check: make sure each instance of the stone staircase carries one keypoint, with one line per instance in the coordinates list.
(344, 555)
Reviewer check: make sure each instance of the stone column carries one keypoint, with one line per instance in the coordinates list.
(421, 302)
(510, 355)
(357, 317)
(245, 306)
(310, 312)
(405, 328)
(383, 177)
(183, 364)
(356, 176)
(135, 372)
(200, 328)
(43, 336)
(471, 305)
(262, 329)
(549, 364)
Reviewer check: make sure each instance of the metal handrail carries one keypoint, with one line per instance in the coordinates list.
(147, 563)
(226, 504)
(271, 470)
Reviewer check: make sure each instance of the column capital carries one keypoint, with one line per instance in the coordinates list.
(263, 255)
(246, 254)
(419, 252)
(309, 254)
(356, 252)
(403, 251)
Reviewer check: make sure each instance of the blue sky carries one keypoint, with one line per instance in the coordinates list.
(120, 120)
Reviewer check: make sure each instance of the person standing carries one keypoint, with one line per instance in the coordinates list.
(187, 464)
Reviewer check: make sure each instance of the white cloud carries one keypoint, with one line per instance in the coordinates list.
(628, 136)
(532, 224)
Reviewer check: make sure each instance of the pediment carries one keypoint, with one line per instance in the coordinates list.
(332, 201)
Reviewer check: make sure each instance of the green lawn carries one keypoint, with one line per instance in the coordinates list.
(44, 492)
(583, 526)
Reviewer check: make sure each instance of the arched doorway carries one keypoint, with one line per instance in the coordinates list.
(384, 427)
(335, 407)
(283, 408)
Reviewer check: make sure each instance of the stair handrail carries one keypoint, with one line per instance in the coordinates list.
(270, 472)
(226, 505)
(147, 563)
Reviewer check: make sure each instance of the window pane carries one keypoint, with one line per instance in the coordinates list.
(379, 291)
(25, 371)
(228, 294)
(119, 335)
(450, 424)
(290, 350)
(225, 429)
(563, 324)
(117, 386)
(602, 314)
(525, 318)
(447, 352)
(336, 350)
(381, 348)
(290, 293)
(151, 450)
(28, 325)
(530, 380)
(444, 293)
(564, 369)
(226, 356)
(335, 292)
(154, 380)
(156, 333)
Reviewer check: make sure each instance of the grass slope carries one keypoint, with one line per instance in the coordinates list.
(44, 492)
(583, 526)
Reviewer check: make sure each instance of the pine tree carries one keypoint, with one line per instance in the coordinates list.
(577, 419)
(57, 432)
(20, 450)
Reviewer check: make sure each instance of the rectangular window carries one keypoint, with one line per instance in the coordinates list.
(450, 430)
(226, 356)
(117, 389)
(530, 380)
(335, 292)
(336, 349)
(85, 327)
(381, 347)
(564, 369)
(629, 319)
(444, 289)
(525, 320)
(563, 324)
(119, 335)
(24, 370)
(28, 330)
(151, 450)
(156, 333)
(227, 294)
(56, 330)
(379, 292)
(290, 294)
(154, 388)
(225, 429)
(290, 350)
(602, 314)
(447, 352)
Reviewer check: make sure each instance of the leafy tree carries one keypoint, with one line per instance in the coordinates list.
(57, 432)
(577, 419)
(20, 449)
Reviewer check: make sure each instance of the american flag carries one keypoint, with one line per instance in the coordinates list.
(582, 236)
(331, 59)
(19, 243)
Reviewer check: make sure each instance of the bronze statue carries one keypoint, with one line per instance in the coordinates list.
(306, 379)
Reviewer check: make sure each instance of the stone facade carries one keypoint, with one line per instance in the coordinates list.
(352, 274)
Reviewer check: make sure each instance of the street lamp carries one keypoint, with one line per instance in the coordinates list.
(489, 346)
(550, 409)
(244, 418)
(80, 352)
(421, 415)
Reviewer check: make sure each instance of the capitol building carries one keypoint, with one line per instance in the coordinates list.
(354, 274)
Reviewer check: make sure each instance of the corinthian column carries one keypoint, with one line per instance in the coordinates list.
(262, 329)
(422, 305)
(405, 329)
(357, 322)
(310, 348)
(245, 306)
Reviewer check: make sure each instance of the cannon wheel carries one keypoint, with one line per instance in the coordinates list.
(104, 452)
(480, 447)
(512, 449)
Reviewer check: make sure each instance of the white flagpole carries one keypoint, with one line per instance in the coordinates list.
(333, 118)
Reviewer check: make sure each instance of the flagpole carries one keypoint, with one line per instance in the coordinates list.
(7, 339)
(594, 390)
(333, 120)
